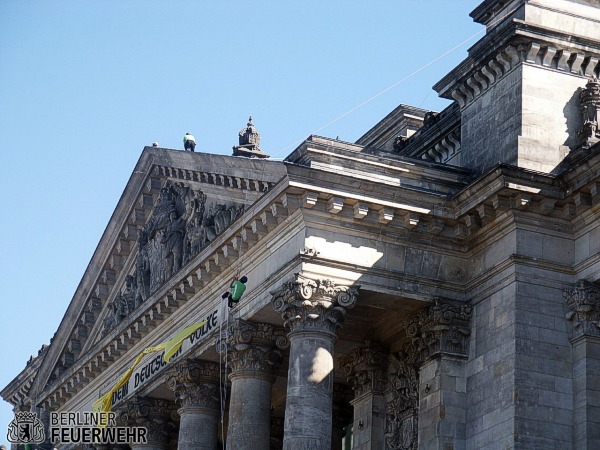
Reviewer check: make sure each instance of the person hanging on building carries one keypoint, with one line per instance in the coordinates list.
(189, 142)
(237, 289)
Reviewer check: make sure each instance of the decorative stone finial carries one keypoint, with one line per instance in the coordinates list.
(249, 140)
(589, 104)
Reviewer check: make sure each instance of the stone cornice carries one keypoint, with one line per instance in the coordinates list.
(320, 150)
(438, 140)
(387, 128)
(513, 45)
(18, 389)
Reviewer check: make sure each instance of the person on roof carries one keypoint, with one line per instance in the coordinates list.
(189, 142)
(237, 289)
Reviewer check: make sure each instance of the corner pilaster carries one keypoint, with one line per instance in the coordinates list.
(365, 368)
(583, 303)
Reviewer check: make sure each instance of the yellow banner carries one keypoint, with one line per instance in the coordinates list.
(104, 403)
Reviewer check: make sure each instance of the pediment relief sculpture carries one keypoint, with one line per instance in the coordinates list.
(182, 223)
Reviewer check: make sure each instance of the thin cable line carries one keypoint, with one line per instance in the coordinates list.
(409, 76)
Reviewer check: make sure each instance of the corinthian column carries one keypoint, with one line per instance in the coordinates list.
(196, 387)
(154, 414)
(313, 311)
(253, 353)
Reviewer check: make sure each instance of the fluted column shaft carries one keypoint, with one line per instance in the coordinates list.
(313, 310)
(196, 388)
(252, 357)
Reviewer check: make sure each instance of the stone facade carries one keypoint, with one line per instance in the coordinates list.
(435, 285)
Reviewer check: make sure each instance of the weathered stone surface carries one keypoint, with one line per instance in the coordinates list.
(154, 414)
(314, 311)
(254, 350)
(196, 388)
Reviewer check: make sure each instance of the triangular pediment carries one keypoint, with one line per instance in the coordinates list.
(174, 205)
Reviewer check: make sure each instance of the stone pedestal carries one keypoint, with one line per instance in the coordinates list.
(313, 310)
(155, 415)
(253, 353)
(196, 387)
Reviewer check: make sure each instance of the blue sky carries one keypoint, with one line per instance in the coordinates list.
(84, 86)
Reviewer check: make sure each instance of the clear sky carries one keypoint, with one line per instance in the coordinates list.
(84, 86)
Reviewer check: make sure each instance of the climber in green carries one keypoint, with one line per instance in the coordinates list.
(237, 289)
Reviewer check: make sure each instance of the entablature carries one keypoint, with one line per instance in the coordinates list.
(518, 43)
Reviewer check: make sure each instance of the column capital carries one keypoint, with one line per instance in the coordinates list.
(442, 328)
(254, 349)
(365, 368)
(195, 384)
(156, 415)
(313, 305)
(584, 308)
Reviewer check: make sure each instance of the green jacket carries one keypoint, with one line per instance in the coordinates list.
(188, 137)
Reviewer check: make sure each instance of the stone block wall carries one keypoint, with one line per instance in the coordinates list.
(491, 124)
(490, 371)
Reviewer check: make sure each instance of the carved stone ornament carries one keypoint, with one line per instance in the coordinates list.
(313, 305)
(365, 369)
(157, 415)
(589, 104)
(439, 329)
(195, 383)
(584, 308)
(402, 404)
(249, 140)
(180, 226)
(253, 347)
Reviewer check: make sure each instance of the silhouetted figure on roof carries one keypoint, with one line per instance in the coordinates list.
(189, 142)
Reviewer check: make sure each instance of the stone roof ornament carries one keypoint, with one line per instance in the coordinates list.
(589, 105)
(249, 140)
